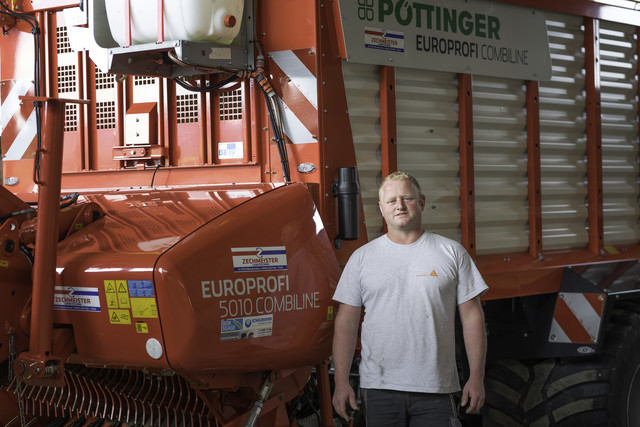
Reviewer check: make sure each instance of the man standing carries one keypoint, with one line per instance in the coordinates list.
(409, 283)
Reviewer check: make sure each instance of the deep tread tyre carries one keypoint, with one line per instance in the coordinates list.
(601, 390)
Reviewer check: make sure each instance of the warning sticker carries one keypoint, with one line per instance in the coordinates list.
(265, 258)
(4, 263)
(142, 328)
(76, 298)
(110, 292)
(144, 307)
(123, 294)
(119, 317)
(246, 327)
(141, 289)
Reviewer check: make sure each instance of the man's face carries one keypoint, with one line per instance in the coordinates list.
(401, 206)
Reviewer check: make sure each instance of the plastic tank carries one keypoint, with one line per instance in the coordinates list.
(216, 21)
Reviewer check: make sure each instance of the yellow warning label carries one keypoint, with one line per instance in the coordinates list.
(4, 263)
(144, 307)
(330, 313)
(119, 317)
(110, 292)
(142, 328)
(123, 294)
(434, 274)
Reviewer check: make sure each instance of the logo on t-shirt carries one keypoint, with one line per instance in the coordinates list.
(433, 274)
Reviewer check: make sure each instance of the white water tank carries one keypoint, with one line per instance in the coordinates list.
(216, 21)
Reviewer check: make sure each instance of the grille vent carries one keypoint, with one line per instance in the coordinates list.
(71, 117)
(231, 105)
(104, 80)
(62, 39)
(187, 108)
(66, 78)
(143, 80)
(106, 115)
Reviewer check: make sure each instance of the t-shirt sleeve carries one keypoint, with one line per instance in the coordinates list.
(470, 281)
(348, 290)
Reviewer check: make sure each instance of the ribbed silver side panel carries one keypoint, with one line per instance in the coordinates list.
(428, 146)
(362, 84)
(563, 137)
(500, 149)
(427, 131)
(619, 133)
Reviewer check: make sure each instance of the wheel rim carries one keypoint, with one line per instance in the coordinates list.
(633, 409)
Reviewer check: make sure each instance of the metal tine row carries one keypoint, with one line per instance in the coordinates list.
(129, 396)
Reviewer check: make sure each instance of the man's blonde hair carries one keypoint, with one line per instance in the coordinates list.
(399, 176)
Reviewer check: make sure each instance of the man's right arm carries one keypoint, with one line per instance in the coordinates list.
(345, 336)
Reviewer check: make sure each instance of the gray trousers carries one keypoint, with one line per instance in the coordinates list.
(391, 408)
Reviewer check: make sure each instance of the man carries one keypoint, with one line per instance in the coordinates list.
(410, 283)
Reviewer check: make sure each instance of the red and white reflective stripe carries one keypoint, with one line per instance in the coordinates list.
(12, 115)
(577, 318)
(299, 105)
(299, 74)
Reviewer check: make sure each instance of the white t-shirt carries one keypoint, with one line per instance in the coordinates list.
(410, 294)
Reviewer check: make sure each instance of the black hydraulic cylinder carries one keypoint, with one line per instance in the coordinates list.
(346, 189)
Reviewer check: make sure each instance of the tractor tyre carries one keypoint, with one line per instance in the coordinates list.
(599, 390)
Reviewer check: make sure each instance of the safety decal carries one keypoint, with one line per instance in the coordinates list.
(76, 298)
(144, 307)
(577, 318)
(142, 328)
(119, 317)
(123, 294)
(143, 302)
(18, 116)
(299, 103)
(117, 293)
(330, 312)
(136, 295)
(265, 258)
(376, 38)
(4, 263)
(246, 327)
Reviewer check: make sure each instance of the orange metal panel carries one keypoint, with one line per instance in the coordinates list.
(594, 135)
(291, 296)
(337, 148)
(522, 283)
(388, 139)
(533, 169)
(287, 25)
(467, 189)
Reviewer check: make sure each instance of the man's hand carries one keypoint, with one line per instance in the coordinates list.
(475, 342)
(345, 335)
(342, 395)
(473, 395)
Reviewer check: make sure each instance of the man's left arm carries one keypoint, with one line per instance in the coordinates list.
(475, 341)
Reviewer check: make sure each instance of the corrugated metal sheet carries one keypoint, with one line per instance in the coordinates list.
(427, 133)
(563, 137)
(362, 84)
(619, 104)
(500, 150)
(428, 146)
